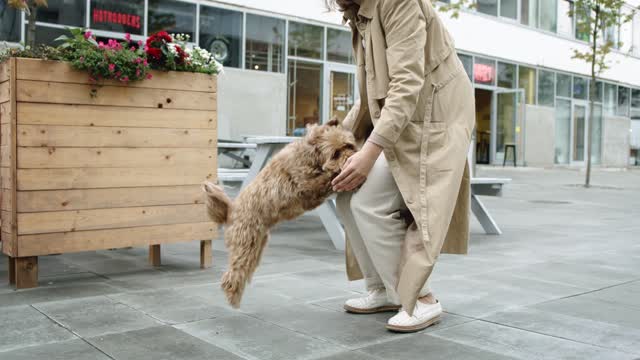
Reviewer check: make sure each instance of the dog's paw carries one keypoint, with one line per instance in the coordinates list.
(233, 287)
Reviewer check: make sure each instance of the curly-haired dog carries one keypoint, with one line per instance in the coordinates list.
(297, 179)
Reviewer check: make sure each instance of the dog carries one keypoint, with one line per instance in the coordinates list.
(296, 180)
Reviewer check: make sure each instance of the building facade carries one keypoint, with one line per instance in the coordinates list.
(289, 63)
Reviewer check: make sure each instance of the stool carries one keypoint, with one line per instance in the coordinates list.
(506, 153)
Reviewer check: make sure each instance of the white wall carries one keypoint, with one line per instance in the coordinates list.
(540, 136)
(251, 103)
(305, 9)
(615, 141)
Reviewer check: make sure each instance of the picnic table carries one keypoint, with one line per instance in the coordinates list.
(267, 146)
(230, 148)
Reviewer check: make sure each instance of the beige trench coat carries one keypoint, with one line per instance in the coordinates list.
(418, 104)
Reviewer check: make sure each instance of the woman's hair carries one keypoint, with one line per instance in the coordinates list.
(340, 5)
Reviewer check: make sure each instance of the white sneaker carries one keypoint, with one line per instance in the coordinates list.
(424, 315)
(376, 301)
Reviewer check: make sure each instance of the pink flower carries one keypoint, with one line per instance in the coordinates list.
(81, 59)
(119, 73)
(145, 62)
(140, 43)
(127, 37)
(87, 35)
(101, 45)
(149, 76)
(132, 48)
(112, 67)
(124, 79)
(138, 72)
(138, 60)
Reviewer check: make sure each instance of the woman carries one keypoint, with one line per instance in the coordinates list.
(414, 123)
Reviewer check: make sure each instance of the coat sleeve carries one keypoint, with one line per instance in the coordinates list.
(406, 35)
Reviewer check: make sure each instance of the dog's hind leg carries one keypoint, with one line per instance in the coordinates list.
(244, 258)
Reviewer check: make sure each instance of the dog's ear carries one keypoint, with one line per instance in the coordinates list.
(333, 122)
(313, 134)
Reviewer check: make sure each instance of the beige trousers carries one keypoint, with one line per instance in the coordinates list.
(376, 231)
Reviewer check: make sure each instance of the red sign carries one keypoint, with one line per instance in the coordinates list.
(111, 17)
(483, 73)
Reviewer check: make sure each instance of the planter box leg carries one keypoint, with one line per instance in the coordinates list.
(154, 255)
(12, 270)
(206, 256)
(26, 272)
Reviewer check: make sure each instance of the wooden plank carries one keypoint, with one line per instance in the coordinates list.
(154, 255)
(109, 116)
(57, 71)
(6, 200)
(26, 272)
(53, 158)
(84, 136)
(7, 222)
(78, 220)
(206, 254)
(7, 245)
(44, 244)
(5, 91)
(4, 71)
(7, 178)
(67, 179)
(5, 134)
(5, 113)
(60, 200)
(12, 179)
(61, 93)
(6, 157)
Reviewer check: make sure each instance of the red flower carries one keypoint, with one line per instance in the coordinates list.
(154, 53)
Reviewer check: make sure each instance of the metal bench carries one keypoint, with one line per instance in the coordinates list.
(232, 175)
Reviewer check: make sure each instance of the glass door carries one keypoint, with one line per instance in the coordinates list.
(579, 133)
(305, 95)
(507, 116)
(340, 91)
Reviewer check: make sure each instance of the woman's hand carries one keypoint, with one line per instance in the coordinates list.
(357, 168)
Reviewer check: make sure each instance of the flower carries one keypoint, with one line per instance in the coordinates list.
(124, 79)
(154, 53)
(127, 37)
(112, 67)
(81, 59)
(88, 34)
(149, 76)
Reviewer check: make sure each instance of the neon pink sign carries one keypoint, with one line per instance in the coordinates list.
(483, 73)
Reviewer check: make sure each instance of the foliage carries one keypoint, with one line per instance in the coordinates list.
(454, 7)
(39, 52)
(123, 61)
(170, 52)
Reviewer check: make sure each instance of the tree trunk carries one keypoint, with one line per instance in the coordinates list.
(31, 28)
(592, 96)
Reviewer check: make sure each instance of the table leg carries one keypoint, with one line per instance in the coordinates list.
(329, 217)
(155, 255)
(482, 214)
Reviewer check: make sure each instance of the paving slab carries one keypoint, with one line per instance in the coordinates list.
(255, 339)
(523, 344)
(598, 333)
(45, 293)
(159, 343)
(420, 346)
(67, 350)
(96, 316)
(24, 326)
(172, 306)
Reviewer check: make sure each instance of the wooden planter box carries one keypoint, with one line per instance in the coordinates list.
(98, 167)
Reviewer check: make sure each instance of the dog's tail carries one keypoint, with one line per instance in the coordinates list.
(218, 203)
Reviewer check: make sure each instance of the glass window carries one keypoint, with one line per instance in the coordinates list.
(527, 81)
(509, 9)
(221, 34)
(489, 7)
(305, 40)
(339, 46)
(506, 75)
(635, 98)
(565, 21)
(625, 35)
(548, 15)
(64, 12)
(305, 84)
(596, 135)
(582, 25)
(484, 71)
(546, 85)
(623, 101)
(599, 89)
(467, 62)
(636, 34)
(175, 17)
(265, 44)
(610, 99)
(563, 85)
(580, 88)
(529, 12)
(47, 35)
(9, 23)
(118, 16)
(563, 131)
